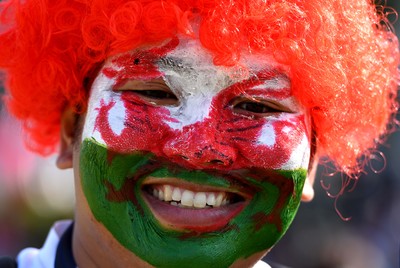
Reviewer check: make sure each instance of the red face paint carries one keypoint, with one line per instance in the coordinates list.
(138, 65)
(224, 138)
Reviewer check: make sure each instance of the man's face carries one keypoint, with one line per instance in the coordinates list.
(188, 164)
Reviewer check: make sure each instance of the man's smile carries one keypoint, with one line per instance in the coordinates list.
(180, 205)
(154, 206)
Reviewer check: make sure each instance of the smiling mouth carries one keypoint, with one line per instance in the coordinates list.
(184, 198)
(185, 206)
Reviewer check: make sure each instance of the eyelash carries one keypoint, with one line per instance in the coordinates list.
(257, 107)
(156, 94)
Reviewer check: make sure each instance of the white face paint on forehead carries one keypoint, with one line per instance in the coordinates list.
(190, 73)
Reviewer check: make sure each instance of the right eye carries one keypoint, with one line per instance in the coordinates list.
(154, 91)
(160, 97)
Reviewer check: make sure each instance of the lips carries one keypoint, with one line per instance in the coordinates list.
(186, 206)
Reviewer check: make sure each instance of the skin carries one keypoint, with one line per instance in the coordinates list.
(203, 139)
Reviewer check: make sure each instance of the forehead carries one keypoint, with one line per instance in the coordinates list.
(189, 66)
(190, 52)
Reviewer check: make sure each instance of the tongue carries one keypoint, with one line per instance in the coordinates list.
(198, 220)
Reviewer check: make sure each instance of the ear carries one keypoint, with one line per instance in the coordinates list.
(308, 189)
(68, 124)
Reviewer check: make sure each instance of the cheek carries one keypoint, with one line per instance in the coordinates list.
(138, 127)
(269, 144)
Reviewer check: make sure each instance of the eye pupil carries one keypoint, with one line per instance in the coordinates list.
(254, 107)
(157, 94)
(136, 61)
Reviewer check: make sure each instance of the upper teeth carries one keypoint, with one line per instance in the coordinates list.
(183, 197)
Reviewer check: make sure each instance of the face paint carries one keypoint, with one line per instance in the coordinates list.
(233, 150)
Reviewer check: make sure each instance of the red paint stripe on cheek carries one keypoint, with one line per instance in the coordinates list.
(144, 127)
(243, 133)
(286, 187)
(270, 156)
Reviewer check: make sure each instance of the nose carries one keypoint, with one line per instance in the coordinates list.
(200, 147)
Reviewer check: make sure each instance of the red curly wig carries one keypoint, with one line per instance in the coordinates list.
(342, 58)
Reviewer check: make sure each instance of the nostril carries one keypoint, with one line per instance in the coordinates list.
(216, 162)
(184, 157)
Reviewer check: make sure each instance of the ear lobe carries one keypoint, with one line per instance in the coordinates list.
(308, 189)
(64, 159)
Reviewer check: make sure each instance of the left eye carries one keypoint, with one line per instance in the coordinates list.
(156, 96)
(258, 107)
(254, 107)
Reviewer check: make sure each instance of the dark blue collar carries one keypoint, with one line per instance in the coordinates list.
(64, 256)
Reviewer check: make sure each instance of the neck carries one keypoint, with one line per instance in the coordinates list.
(98, 249)
(94, 246)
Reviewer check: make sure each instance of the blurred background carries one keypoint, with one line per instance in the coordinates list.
(320, 238)
(34, 194)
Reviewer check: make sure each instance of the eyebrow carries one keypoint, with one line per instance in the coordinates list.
(174, 62)
(274, 83)
(271, 75)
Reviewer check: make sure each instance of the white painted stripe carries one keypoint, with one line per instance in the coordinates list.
(117, 116)
(300, 156)
(267, 135)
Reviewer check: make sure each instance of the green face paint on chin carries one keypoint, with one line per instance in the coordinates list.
(127, 216)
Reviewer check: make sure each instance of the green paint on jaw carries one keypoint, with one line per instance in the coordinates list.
(140, 232)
